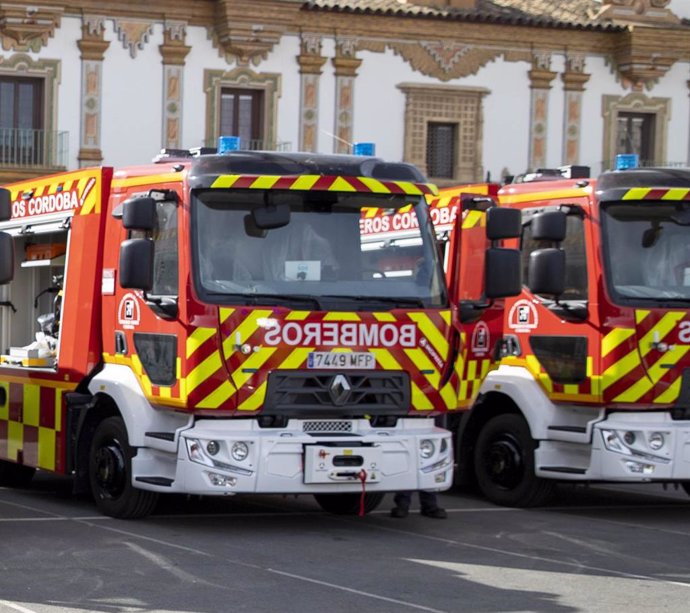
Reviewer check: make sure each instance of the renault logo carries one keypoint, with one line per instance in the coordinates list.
(339, 390)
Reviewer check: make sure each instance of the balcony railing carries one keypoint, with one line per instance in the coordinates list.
(29, 148)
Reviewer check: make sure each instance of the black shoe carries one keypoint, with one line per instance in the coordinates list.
(399, 512)
(437, 513)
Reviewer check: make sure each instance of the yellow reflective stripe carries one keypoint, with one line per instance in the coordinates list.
(665, 325)
(342, 317)
(384, 317)
(449, 396)
(217, 397)
(614, 338)
(295, 359)
(420, 359)
(265, 181)
(31, 405)
(545, 195)
(198, 338)
(225, 181)
(170, 177)
(255, 401)
(419, 400)
(15, 439)
(432, 333)
(305, 182)
(375, 186)
(621, 368)
(385, 359)
(670, 394)
(224, 314)
(676, 193)
(636, 193)
(341, 185)
(472, 219)
(246, 328)
(203, 371)
(297, 315)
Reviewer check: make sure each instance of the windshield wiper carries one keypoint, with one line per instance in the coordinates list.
(402, 301)
(253, 299)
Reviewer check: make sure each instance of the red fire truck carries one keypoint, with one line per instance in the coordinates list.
(215, 324)
(591, 376)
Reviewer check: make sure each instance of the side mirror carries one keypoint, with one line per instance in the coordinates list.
(5, 204)
(136, 264)
(6, 258)
(139, 213)
(502, 273)
(271, 217)
(549, 226)
(503, 223)
(546, 271)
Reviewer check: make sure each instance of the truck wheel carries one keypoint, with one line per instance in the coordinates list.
(110, 473)
(348, 504)
(504, 464)
(15, 475)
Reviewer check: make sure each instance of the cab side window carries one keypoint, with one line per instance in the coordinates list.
(575, 257)
(165, 266)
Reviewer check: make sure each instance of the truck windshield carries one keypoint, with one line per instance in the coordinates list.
(280, 247)
(647, 251)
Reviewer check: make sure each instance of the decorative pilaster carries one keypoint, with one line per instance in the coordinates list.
(92, 46)
(346, 65)
(310, 66)
(540, 83)
(574, 81)
(173, 51)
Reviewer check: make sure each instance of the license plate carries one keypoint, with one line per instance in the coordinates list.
(331, 360)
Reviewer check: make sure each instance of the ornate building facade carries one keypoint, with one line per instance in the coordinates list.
(462, 88)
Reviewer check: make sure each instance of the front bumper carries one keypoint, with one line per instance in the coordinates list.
(222, 457)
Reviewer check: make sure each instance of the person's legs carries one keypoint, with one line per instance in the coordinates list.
(429, 504)
(402, 504)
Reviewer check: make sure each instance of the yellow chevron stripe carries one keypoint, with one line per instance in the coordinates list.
(218, 396)
(449, 396)
(247, 327)
(641, 314)
(305, 182)
(265, 182)
(614, 338)
(664, 326)
(295, 359)
(473, 219)
(420, 359)
(432, 333)
(203, 371)
(225, 181)
(341, 185)
(419, 400)
(224, 313)
(335, 316)
(375, 186)
(545, 195)
(618, 370)
(676, 193)
(297, 315)
(384, 316)
(636, 193)
(670, 394)
(385, 359)
(197, 338)
(255, 401)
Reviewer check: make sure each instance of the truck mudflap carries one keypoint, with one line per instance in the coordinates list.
(223, 457)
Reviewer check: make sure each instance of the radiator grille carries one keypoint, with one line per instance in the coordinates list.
(327, 426)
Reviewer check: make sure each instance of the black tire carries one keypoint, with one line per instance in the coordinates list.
(348, 504)
(504, 464)
(110, 473)
(15, 475)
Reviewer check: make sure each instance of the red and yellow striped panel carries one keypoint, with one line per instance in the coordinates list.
(320, 183)
(31, 424)
(656, 193)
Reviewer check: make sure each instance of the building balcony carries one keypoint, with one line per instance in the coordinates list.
(25, 152)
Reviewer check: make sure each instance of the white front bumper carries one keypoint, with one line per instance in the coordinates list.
(288, 460)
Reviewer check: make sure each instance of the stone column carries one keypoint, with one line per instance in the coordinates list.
(310, 68)
(92, 46)
(346, 65)
(173, 51)
(574, 81)
(540, 83)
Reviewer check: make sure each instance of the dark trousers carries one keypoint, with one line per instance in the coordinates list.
(427, 500)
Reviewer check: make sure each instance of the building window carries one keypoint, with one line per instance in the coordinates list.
(440, 149)
(241, 114)
(243, 103)
(636, 135)
(444, 131)
(21, 120)
(635, 124)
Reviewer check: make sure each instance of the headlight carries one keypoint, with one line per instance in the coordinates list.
(426, 448)
(212, 447)
(656, 441)
(239, 451)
